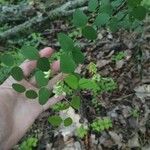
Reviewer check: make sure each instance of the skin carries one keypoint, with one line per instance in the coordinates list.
(17, 113)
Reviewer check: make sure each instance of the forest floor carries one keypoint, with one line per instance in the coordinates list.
(128, 106)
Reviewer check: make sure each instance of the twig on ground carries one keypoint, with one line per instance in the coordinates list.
(37, 20)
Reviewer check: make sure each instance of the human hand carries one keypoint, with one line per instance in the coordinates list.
(17, 113)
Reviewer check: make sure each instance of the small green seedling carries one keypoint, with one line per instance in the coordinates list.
(135, 113)
(29, 144)
(92, 68)
(81, 131)
(119, 56)
(96, 104)
(56, 121)
(100, 125)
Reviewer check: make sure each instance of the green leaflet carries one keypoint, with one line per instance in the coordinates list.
(17, 73)
(139, 12)
(102, 19)
(77, 55)
(92, 5)
(67, 64)
(55, 120)
(79, 18)
(43, 64)
(7, 59)
(30, 52)
(18, 88)
(31, 94)
(66, 42)
(67, 122)
(72, 81)
(40, 78)
(89, 32)
(44, 95)
(75, 102)
(88, 84)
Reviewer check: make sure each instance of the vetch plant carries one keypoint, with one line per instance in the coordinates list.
(111, 14)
